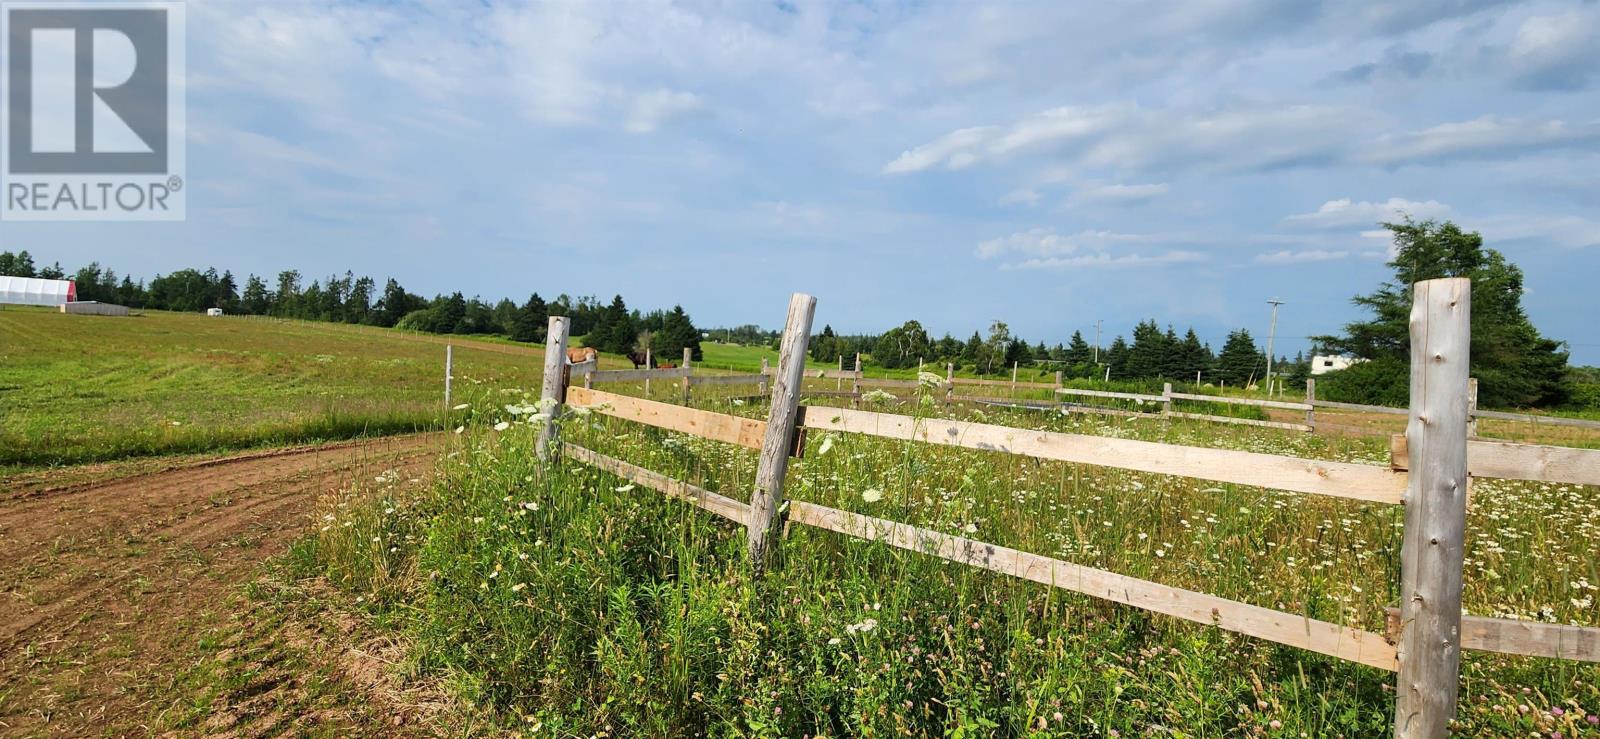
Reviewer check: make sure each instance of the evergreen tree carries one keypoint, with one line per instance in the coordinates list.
(1514, 364)
(825, 345)
(677, 333)
(452, 312)
(532, 321)
(1078, 350)
(1116, 357)
(1240, 362)
(255, 301)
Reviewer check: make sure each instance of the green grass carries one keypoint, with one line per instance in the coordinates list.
(89, 388)
(565, 600)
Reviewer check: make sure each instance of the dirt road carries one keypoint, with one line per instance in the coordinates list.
(113, 590)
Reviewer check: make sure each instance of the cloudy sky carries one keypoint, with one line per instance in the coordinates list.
(1047, 164)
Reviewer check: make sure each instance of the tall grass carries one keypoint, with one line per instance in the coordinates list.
(564, 599)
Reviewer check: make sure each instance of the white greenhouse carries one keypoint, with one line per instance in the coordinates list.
(34, 291)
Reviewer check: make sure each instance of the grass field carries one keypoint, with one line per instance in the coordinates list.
(565, 601)
(86, 388)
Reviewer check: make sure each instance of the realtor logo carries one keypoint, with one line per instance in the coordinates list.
(93, 117)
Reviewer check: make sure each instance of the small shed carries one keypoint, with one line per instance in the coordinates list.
(1322, 364)
(213, 312)
(35, 291)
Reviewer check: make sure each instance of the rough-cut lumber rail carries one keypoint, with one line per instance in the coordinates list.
(1510, 461)
(867, 382)
(1111, 394)
(1280, 404)
(745, 432)
(1284, 628)
(1341, 479)
(1552, 420)
(830, 393)
(1360, 407)
(727, 379)
(640, 374)
(1037, 405)
(1003, 383)
(1515, 636)
(723, 506)
(1085, 408)
(839, 374)
(584, 368)
(1241, 421)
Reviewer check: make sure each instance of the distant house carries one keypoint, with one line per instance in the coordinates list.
(34, 291)
(1322, 364)
(213, 311)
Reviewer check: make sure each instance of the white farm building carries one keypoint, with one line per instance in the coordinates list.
(1322, 364)
(34, 291)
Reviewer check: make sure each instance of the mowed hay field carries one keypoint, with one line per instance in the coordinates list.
(569, 601)
(77, 388)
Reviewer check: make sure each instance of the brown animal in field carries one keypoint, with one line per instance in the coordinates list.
(665, 365)
(640, 359)
(579, 355)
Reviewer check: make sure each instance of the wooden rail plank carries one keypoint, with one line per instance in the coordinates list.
(1111, 394)
(745, 432)
(1004, 383)
(1241, 421)
(867, 382)
(723, 506)
(1098, 410)
(727, 379)
(1530, 418)
(1341, 479)
(1510, 461)
(1360, 407)
(838, 374)
(830, 393)
(639, 374)
(1280, 404)
(1284, 628)
(1516, 636)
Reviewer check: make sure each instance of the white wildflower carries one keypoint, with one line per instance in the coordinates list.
(872, 495)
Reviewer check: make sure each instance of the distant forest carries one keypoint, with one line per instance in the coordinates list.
(610, 327)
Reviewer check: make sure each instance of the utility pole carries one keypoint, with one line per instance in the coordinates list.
(1097, 340)
(1272, 333)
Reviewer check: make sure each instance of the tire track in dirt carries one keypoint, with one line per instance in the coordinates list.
(99, 579)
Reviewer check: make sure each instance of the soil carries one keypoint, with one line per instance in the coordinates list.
(122, 608)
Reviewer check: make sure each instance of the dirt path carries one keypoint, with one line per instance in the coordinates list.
(107, 586)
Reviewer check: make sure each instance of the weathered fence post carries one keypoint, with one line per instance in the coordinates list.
(688, 355)
(1472, 408)
(949, 380)
(855, 385)
(764, 371)
(1311, 399)
(1014, 380)
(449, 360)
(1435, 510)
(1058, 380)
(1166, 400)
(779, 436)
(649, 364)
(554, 387)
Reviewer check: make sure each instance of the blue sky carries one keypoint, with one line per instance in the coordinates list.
(1047, 164)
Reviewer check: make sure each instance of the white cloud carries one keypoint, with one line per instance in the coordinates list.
(1043, 248)
(1344, 213)
(1556, 52)
(1572, 232)
(1125, 136)
(1486, 137)
(653, 108)
(1107, 261)
(1300, 257)
(1126, 194)
(1021, 196)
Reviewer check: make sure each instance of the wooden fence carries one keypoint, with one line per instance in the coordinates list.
(1428, 474)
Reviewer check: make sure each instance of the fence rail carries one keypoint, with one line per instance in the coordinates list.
(1428, 471)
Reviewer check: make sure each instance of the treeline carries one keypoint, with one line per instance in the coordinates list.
(347, 298)
(1152, 354)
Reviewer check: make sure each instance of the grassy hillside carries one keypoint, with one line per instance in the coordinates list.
(85, 388)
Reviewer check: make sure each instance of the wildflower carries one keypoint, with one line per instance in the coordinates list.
(970, 528)
(530, 505)
(625, 488)
(872, 495)
(518, 587)
(460, 429)
(502, 426)
(834, 642)
(827, 443)
(462, 407)
(878, 396)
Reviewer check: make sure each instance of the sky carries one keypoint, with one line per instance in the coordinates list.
(1046, 164)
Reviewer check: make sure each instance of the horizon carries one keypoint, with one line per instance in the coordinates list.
(1046, 166)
